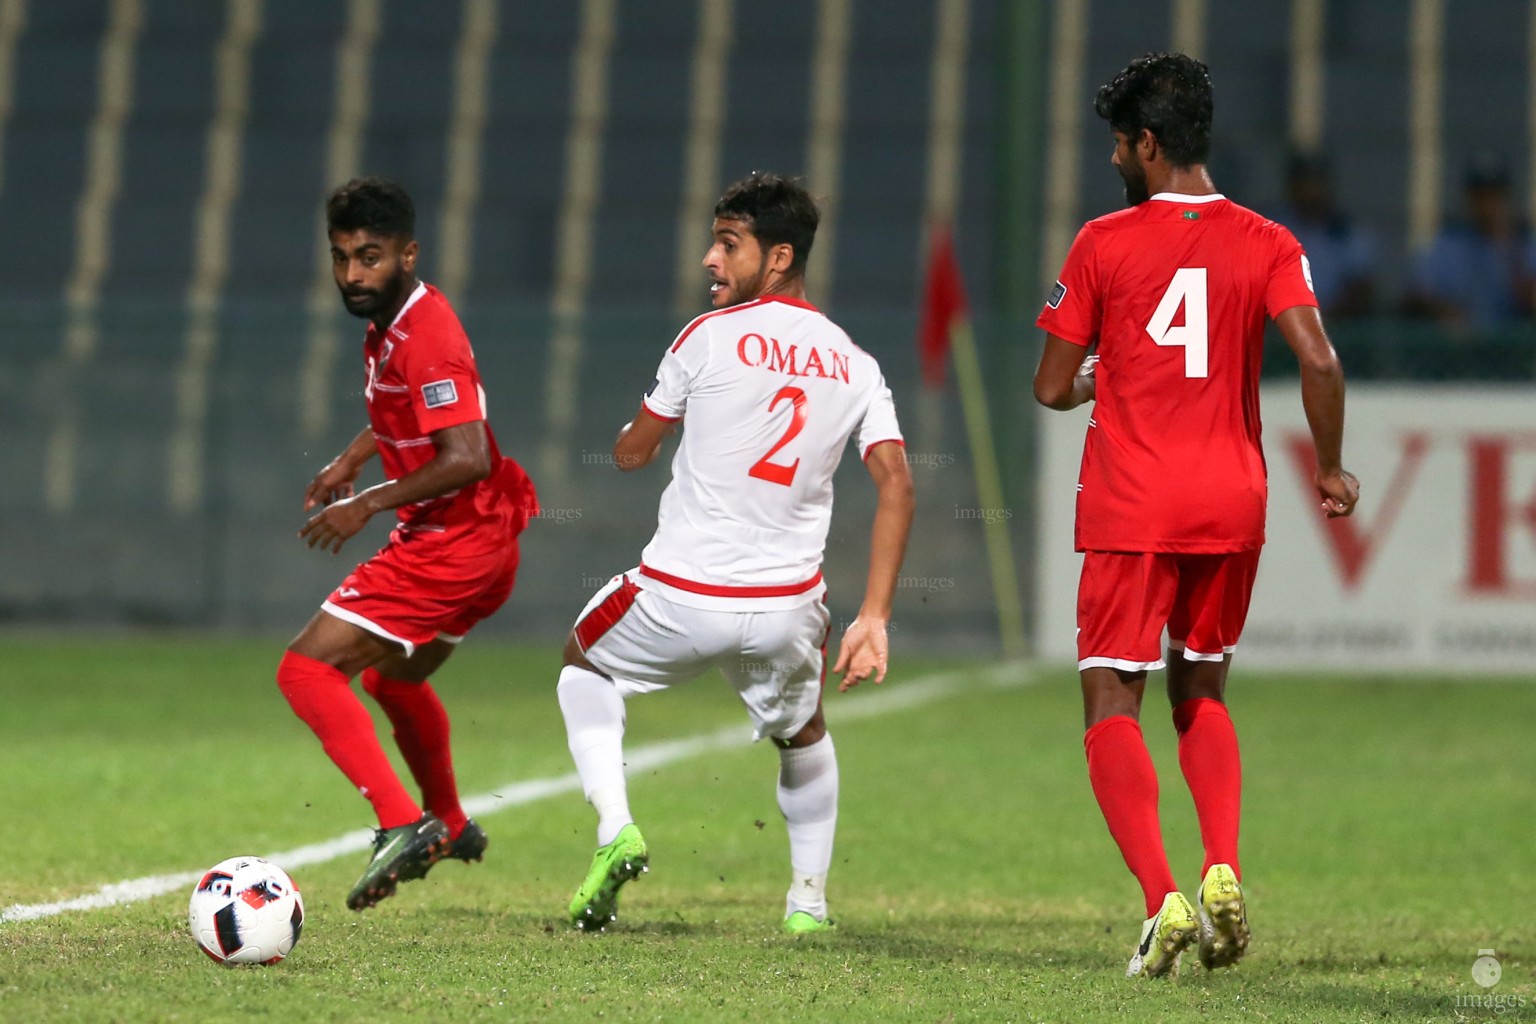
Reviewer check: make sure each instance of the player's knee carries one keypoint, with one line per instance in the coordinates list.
(298, 672)
(810, 733)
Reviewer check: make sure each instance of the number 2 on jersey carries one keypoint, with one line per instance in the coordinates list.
(1186, 288)
(777, 472)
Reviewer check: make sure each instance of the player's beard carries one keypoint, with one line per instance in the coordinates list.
(365, 303)
(748, 289)
(1135, 179)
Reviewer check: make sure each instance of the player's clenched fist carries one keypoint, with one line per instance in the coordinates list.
(1339, 492)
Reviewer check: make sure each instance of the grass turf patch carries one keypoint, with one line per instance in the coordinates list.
(1386, 841)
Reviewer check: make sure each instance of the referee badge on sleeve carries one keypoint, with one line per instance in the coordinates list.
(439, 393)
(1057, 294)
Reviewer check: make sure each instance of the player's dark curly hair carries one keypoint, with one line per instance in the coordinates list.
(372, 204)
(1169, 94)
(779, 210)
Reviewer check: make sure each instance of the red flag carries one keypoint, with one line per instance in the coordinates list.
(943, 303)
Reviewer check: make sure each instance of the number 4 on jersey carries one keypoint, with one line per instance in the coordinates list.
(1187, 289)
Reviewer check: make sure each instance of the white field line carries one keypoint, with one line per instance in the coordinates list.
(900, 697)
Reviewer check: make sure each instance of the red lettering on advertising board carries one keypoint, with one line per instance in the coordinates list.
(1494, 516)
(1352, 541)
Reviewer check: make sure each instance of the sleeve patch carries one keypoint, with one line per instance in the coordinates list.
(1306, 272)
(1057, 294)
(439, 393)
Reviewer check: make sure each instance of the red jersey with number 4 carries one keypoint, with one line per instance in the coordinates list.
(421, 379)
(1174, 293)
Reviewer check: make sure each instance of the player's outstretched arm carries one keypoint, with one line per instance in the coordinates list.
(864, 649)
(463, 457)
(334, 482)
(1064, 379)
(1322, 397)
(639, 440)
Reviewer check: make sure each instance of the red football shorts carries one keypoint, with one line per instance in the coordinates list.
(1124, 601)
(422, 585)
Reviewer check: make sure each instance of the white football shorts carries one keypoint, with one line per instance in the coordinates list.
(776, 660)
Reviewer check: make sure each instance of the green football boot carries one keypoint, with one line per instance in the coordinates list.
(804, 923)
(596, 903)
(399, 855)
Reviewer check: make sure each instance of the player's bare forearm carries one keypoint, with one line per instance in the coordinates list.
(1322, 382)
(1322, 399)
(863, 650)
(334, 481)
(463, 457)
(639, 440)
(893, 523)
(362, 448)
(1065, 378)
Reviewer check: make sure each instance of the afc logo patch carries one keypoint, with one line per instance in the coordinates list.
(439, 393)
(1057, 294)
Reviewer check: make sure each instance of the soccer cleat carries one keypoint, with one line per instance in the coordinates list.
(399, 855)
(596, 903)
(1163, 938)
(804, 923)
(470, 845)
(1223, 918)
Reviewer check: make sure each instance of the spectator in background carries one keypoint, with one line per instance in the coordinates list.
(1480, 273)
(1342, 255)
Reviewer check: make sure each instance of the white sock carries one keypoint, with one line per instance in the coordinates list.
(808, 798)
(594, 728)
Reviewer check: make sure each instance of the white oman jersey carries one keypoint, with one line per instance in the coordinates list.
(771, 391)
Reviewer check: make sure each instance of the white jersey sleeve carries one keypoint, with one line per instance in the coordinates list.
(676, 377)
(879, 423)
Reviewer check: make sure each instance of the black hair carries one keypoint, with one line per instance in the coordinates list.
(779, 211)
(1169, 94)
(372, 204)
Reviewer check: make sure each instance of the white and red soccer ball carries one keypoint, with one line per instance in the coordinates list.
(246, 910)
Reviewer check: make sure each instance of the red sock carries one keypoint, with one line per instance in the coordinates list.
(322, 696)
(1125, 784)
(1214, 770)
(421, 730)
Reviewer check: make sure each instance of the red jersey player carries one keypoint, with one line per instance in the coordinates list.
(1173, 293)
(449, 562)
(770, 391)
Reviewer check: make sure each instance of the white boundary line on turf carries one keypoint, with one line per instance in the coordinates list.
(900, 697)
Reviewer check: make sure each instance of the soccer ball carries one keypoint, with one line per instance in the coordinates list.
(246, 910)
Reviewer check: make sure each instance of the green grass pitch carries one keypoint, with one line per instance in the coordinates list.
(1387, 839)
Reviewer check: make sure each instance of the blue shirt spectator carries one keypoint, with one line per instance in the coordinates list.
(1342, 255)
(1478, 274)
